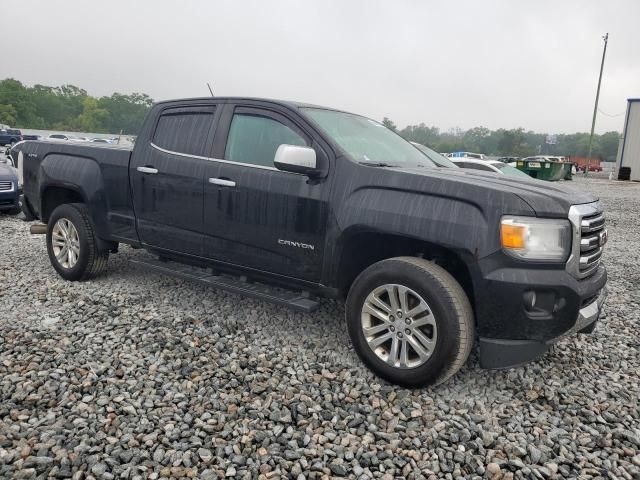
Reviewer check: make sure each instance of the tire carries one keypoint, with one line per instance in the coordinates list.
(14, 211)
(90, 261)
(450, 327)
(26, 209)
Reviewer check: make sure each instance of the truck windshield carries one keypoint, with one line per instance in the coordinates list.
(435, 157)
(368, 141)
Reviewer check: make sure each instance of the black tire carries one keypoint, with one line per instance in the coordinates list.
(91, 261)
(448, 304)
(14, 211)
(26, 209)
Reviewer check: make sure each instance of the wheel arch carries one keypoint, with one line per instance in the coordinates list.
(53, 196)
(360, 249)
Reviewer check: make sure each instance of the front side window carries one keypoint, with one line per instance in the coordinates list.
(254, 139)
(184, 132)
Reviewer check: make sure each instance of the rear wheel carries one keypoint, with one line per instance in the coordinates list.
(410, 321)
(72, 244)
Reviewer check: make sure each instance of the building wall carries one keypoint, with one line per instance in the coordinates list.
(630, 156)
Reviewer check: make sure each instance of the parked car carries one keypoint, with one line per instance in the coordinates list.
(101, 140)
(59, 136)
(10, 136)
(32, 137)
(9, 190)
(320, 202)
(508, 160)
(435, 157)
(493, 166)
(476, 156)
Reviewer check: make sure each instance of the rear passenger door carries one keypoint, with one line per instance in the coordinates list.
(254, 214)
(167, 178)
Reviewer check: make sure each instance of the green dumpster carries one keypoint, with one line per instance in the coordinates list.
(545, 170)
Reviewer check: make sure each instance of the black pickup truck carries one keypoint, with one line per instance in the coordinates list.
(288, 202)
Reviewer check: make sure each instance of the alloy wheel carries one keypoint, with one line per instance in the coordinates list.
(399, 326)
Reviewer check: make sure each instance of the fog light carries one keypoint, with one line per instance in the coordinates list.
(529, 299)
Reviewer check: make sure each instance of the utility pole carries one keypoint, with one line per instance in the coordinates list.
(605, 37)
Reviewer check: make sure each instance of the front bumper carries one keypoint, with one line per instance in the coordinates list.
(514, 335)
(9, 200)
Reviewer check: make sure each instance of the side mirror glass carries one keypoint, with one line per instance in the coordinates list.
(296, 159)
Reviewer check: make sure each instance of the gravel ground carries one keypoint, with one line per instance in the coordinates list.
(135, 375)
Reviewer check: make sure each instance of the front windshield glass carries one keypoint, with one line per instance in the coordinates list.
(368, 141)
(509, 170)
(435, 157)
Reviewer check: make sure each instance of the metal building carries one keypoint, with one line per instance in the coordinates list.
(630, 151)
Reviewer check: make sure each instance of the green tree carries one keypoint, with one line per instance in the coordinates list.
(387, 122)
(8, 114)
(126, 112)
(93, 118)
(422, 134)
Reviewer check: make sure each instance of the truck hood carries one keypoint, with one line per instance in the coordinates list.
(546, 199)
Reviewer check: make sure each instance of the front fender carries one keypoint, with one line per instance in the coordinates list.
(445, 220)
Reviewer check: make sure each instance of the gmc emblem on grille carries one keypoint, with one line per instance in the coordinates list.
(603, 237)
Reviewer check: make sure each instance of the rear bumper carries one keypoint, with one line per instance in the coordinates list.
(518, 336)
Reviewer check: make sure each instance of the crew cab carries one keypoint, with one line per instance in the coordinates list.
(289, 202)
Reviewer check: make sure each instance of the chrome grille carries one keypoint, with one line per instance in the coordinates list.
(6, 185)
(590, 236)
(593, 236)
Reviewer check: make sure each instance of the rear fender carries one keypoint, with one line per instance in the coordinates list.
(80, 175)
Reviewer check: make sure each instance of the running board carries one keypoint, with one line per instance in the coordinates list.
(295, 300)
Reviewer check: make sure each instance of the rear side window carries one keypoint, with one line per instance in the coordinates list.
(184, 132)
(254, 139)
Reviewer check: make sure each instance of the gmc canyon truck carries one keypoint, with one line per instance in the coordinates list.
(288, 202)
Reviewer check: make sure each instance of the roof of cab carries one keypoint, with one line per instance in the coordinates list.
(285, 103)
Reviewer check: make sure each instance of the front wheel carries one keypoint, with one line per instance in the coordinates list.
(410, 321)
(72, 244)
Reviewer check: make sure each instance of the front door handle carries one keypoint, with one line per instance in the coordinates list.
(222, 182)
(147, 170)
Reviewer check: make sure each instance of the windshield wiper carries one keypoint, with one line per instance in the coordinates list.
(377, 164)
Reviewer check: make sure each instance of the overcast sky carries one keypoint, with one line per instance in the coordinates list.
(531, 64)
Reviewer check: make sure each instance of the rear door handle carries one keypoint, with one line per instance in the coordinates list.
(147, 170)
(222, 182)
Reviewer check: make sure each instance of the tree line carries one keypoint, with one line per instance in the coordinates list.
(70, 108)
(509, 142)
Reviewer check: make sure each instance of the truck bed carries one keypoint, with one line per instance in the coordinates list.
(102, 171)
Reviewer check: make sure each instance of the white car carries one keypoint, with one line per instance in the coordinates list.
(493, 166)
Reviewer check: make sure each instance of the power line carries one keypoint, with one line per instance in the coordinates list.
(609, 115)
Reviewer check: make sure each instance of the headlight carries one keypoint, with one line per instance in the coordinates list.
(531, 238)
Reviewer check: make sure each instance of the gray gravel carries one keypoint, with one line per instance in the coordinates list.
(135, 375)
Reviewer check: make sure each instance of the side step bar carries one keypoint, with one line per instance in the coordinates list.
(288, 298)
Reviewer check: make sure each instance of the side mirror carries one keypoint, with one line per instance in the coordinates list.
(296, 159)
